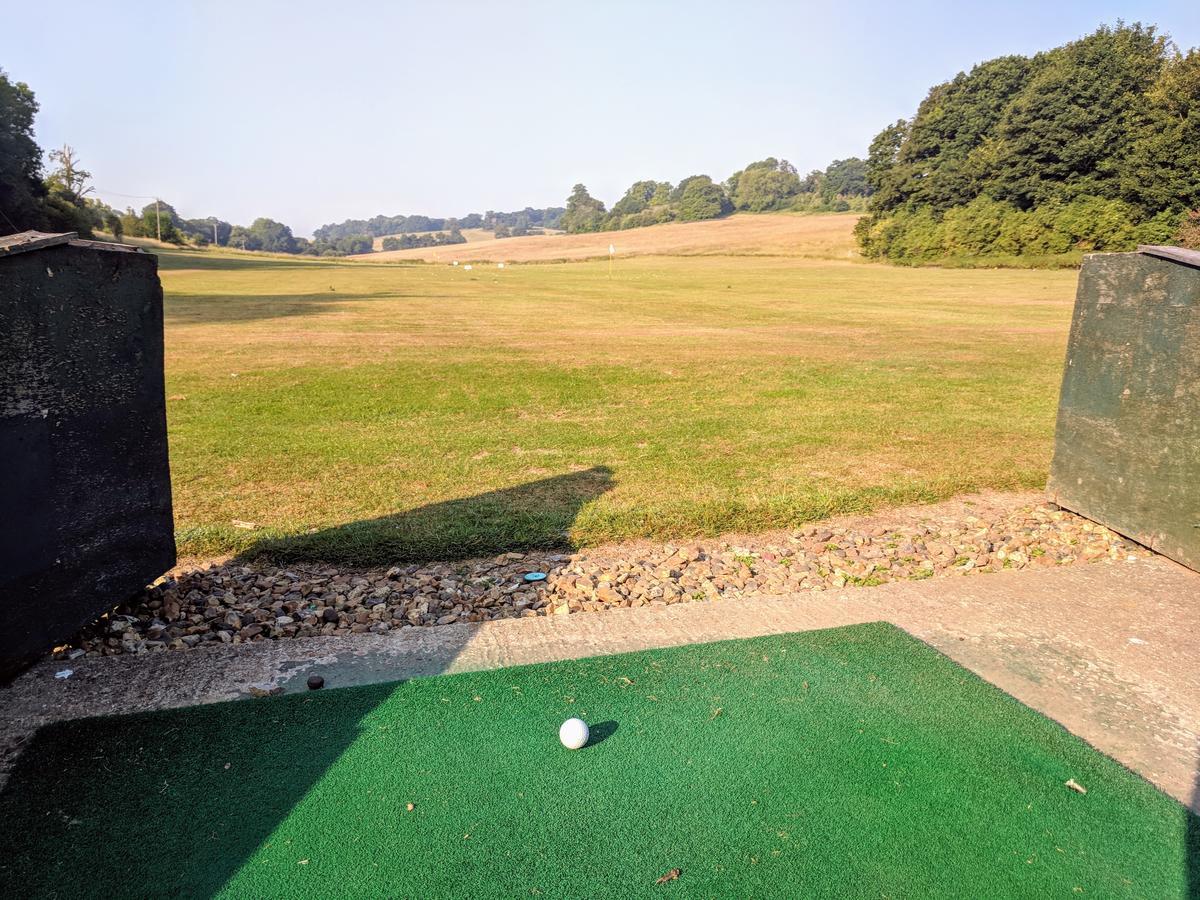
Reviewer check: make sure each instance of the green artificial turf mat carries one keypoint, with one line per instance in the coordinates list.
(847, 762)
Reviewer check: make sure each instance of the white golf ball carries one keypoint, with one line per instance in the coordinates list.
(573, 733)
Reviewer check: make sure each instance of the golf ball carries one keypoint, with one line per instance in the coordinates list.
(573, 733)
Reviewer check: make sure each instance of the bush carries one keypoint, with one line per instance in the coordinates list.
(1164, 228)
(1188, 234)
(990, 228)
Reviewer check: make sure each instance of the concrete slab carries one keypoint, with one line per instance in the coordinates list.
(1112, 652)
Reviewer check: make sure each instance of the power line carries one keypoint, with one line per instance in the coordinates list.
(119, 194)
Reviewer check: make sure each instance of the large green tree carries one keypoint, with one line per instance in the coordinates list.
(21, 188)
(935, 160)
(272, 236)
(1162, 166)
(641, 196)
(844, 178)
(1070, 129)
(701, 199)
(160, 220)
(884, 174)
(764, 185)
(1092, 145)
(584, 212)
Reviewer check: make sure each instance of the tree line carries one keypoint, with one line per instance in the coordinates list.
(1094, 145)
(160, 220)
(504, 224)
(424, 239)
(63, 198)
(763, 186)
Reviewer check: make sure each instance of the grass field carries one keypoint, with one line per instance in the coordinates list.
(377, 412)
(846, 763)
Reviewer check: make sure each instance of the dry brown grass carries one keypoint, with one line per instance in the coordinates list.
(815, 236)
(473, 236)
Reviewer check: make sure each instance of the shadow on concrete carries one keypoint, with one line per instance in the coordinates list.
(533, 516)
(176, 802)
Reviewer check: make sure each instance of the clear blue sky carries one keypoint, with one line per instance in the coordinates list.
(316, 112)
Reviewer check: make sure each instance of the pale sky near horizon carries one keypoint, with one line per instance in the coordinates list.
(316, 112)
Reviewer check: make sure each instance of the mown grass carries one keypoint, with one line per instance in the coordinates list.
(373, 413)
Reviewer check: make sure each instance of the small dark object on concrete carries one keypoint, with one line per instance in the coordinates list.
(315, 682)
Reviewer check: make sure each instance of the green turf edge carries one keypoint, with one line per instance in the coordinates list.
(51, 812)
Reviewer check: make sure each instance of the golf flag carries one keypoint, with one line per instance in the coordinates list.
(611, 249)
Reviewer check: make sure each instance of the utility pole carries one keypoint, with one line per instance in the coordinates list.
(157, 220)
(215, 244)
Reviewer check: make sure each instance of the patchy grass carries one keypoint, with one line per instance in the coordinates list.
(376, 412)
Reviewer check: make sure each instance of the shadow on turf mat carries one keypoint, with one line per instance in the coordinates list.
(1193, 842)
(536, 515)
(600, 732)
(192, 789)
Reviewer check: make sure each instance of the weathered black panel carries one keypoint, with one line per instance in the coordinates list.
(85, 492)
(1127, 444)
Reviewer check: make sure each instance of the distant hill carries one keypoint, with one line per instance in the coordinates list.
(767, 234)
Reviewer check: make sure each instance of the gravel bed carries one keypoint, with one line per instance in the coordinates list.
(234, 603)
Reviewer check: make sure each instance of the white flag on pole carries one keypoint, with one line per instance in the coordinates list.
(611, 249)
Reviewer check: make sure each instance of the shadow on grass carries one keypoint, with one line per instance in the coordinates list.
(216, 309)
(192, 788)
(533, 516)
(195, 259)
(218, 262)
(206, 787)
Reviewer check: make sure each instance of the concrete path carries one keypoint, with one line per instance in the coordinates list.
(1109, 650)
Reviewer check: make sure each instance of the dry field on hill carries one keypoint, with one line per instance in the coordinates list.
(473, 236)
(816, 236)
